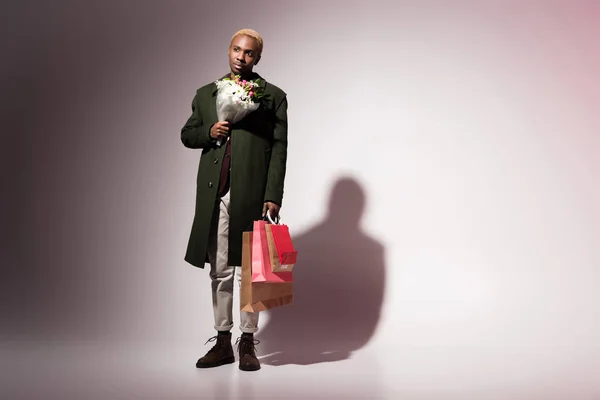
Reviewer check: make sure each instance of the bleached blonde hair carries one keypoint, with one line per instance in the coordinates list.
(253, 34)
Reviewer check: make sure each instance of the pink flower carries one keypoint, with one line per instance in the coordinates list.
(251, 93)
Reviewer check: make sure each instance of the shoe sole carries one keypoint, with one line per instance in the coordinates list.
(229, 360)
(249, 368)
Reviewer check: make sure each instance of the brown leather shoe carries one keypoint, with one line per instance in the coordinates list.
(220, 354)
(247, 352)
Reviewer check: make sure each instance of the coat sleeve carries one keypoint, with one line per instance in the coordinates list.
(195, 134)
(277, 164)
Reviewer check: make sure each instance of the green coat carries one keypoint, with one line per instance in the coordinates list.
(258, 164)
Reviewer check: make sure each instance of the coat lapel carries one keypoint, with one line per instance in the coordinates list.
(262, 84)
(212, 108)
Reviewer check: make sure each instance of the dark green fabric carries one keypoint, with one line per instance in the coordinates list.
(258, 165)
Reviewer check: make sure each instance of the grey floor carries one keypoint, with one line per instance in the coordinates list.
(37, 370)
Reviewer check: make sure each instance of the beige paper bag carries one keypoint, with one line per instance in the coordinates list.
(260, 296)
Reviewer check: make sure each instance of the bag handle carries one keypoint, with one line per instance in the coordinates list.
(271, 219)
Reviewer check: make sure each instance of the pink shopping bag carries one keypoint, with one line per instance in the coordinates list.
(261, 261)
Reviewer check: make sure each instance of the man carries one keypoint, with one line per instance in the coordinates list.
(240, 178)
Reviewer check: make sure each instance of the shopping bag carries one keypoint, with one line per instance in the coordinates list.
(281, 250)
(260, 296)
(261, 260)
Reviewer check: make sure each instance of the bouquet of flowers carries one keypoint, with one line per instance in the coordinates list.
(236, 98)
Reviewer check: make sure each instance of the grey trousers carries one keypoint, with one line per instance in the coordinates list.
(222, 276)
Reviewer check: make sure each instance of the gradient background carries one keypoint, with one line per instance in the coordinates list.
(450, 241)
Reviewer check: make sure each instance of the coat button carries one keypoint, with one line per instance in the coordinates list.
(210, 184)
(215, 161)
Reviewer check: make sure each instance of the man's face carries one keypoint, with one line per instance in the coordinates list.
(243, 54)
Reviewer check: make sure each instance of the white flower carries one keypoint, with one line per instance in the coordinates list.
(233, 100)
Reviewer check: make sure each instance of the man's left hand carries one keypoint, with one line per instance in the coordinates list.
(272, 208)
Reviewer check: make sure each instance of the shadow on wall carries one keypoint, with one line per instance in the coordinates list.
(338, 288)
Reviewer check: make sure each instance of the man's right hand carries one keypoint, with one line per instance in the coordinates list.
(219, 130)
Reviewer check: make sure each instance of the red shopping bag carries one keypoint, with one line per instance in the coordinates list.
(261, 261)
(281, 249)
